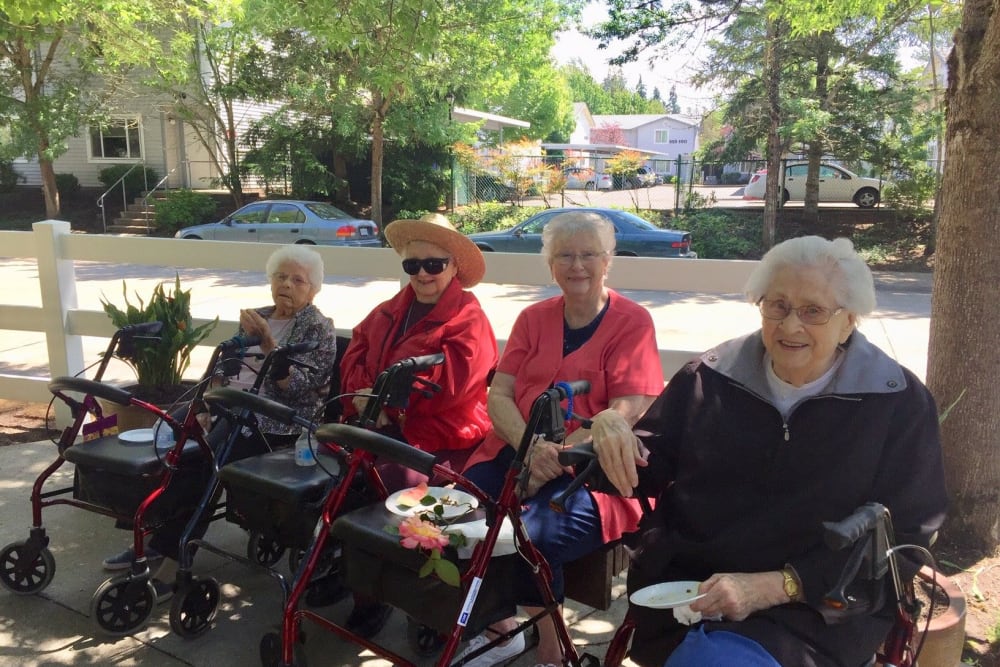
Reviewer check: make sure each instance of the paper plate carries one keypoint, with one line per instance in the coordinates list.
(137, 435)
(667, 595)
(456, 503)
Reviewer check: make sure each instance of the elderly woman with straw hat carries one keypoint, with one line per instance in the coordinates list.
(433, 313)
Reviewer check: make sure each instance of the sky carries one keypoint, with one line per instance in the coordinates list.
(661, 73)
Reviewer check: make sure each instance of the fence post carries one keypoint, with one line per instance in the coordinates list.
(57, 282)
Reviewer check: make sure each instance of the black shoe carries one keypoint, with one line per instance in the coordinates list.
(326, 591)
(368, 619)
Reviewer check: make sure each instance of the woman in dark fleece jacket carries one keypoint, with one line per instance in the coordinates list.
(752, 447)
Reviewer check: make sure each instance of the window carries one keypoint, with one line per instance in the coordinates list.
(250, 214)
(661, 137)
(118, 140)
(285, 213)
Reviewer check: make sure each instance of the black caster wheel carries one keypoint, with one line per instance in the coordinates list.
(194, 607)
(424, 640)
(588, 660)
(26, 570)
(270, 652)
(329, 560)
(122, 605)
(264, 550)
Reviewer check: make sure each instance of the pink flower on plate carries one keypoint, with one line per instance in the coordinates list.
(414, 532)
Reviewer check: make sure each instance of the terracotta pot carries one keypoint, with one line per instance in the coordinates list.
(131, 417)
(946, 633)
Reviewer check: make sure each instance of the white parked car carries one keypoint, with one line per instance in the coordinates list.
(836, 184)
(583, 178)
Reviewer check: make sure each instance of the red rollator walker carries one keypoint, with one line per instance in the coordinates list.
(373, 563)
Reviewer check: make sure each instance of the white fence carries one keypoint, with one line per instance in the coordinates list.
(64, 324)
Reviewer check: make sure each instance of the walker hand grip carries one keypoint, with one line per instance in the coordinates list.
(380, 445)
(84, 386)
(239, 343)
(576, 387)
(229, 397)
(298, 348)
(424, 362)
(143, 329)
(842, 534)
(581, 453)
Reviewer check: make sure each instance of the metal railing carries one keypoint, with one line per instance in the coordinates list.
(121, 182)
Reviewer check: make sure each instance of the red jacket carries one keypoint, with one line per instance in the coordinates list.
(455, 417)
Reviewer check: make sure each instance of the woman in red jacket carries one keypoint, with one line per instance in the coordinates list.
(433, 313)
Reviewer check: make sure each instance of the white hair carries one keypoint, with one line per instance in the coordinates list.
(850, 278)
(564, 225)
(302, 255)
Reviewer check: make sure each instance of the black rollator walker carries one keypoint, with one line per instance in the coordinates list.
(291, 506)
(141, 478)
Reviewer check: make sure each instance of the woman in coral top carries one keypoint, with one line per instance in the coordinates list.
(590, 333)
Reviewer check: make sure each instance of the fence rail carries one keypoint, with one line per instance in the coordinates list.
(64, 323)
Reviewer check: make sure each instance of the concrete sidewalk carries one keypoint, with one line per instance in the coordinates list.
(54, 627)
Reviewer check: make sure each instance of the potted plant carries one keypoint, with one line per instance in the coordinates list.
(159, 363)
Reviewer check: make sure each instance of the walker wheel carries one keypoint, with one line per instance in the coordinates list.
(26, 570)
(270, 652)
(264, 550)
(588, 660)
(194, 607)
(123, 604)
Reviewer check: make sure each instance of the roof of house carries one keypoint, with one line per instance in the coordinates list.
(632, 121)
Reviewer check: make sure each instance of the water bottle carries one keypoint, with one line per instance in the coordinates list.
(304, 455)
(163, 435)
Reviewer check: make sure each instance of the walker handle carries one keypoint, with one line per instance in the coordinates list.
(229, 397)
(380, 445)
(84, 386)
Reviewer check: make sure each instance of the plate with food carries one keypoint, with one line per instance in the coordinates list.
(667, 595)
(424, 498)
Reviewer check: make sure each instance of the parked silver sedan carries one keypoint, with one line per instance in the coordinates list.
(288, 221)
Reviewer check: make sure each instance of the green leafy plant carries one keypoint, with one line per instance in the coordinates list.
(9, 177)
(181, 208)
(68, 185)
(160, 363)
(135, 183)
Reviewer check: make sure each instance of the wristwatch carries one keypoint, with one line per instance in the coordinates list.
(791, 585)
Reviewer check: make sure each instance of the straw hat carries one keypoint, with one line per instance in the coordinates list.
(435, 228)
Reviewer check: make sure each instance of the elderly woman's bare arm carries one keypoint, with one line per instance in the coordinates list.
(619, 451)
(507, 420)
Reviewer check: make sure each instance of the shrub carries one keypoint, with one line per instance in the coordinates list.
(182, 208)
(491, 216)
(135, 183)
(9, 177)
(719, 235)
(68, 186)
(910, 195)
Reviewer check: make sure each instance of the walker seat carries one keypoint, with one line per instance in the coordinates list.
(373, 563)
(119, 475)
(273, 495)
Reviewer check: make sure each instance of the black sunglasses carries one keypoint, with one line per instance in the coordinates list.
(432, 265)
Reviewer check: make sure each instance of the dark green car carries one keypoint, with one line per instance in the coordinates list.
(634, 236)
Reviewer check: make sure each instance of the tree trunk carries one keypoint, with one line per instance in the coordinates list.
(49, 189)
(772, 186)
(964, 350)
(817, 147)
(378, 138)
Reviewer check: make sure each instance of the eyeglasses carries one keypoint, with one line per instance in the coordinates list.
(432, 265)
(777, 309)
(297, 281)
(569, 258)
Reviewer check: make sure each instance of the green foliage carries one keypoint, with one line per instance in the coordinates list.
(182, 208)
(721, 235)
(9, 178)
(161, 363)
(68, 185)
(490, 217)
(138, 180)
(911, 194)
(415, 177)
